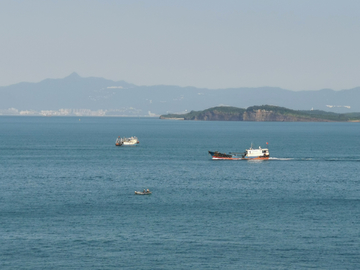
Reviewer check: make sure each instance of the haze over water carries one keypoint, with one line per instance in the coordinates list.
(67, 195)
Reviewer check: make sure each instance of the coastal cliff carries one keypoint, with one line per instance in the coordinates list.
(262, 114)
(265, 115)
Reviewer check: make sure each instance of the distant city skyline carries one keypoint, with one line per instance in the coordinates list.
(295, 45)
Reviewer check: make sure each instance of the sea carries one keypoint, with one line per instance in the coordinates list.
(67, 195)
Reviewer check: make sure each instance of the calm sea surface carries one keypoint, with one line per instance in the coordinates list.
(67, 195)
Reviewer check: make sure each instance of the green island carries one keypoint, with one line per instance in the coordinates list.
(264, 113)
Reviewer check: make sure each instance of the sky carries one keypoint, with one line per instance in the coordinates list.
(295, 45)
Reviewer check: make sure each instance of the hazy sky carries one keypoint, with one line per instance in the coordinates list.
(296, 45)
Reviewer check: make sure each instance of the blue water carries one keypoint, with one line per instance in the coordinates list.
(67, 195)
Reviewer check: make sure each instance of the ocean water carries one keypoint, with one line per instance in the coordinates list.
(67, 195)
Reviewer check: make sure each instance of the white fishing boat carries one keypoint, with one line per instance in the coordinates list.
(251, 153)
(126, 141)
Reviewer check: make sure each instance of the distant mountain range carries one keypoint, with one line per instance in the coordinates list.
(75, 95)
(264, 113)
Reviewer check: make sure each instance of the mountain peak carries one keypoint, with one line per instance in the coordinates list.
(73, 75)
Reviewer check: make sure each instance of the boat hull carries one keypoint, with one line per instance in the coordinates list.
(245, 158)
(142, 193)
(225, 158)
(255, 158)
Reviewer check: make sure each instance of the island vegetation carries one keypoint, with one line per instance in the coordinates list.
(264, 113)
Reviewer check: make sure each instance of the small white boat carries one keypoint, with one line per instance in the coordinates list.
(145, 192)
(126, 141)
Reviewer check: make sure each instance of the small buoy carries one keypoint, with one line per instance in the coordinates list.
(79, 119)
